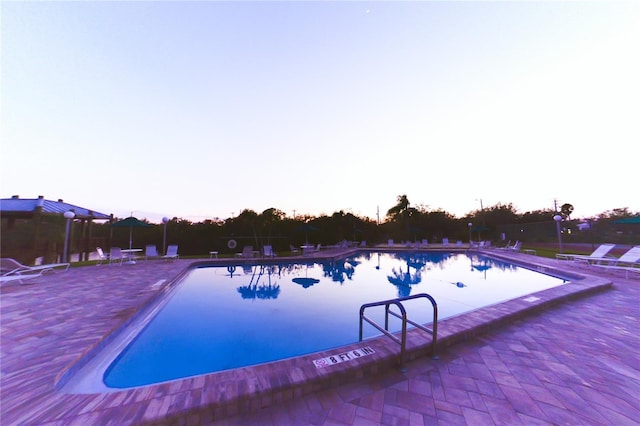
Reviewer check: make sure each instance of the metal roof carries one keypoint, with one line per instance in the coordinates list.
(26, 206)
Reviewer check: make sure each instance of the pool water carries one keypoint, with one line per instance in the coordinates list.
(220, 318)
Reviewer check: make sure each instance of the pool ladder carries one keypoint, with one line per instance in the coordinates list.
(402, 340)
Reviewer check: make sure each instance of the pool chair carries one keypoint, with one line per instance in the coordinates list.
(247, 252)
(598, 254)
(172, 252)
(102, 256)
(516, 247)
(151, 252)
(629, 261)
(115, 255)
(267, 251)
(445, 241)
(10, 267)
(20, 278)
(294, 251)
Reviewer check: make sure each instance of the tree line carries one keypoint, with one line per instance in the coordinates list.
(402, 223)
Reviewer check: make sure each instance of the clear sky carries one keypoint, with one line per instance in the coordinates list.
(202, 109)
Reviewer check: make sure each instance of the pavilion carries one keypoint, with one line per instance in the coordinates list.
(35, 228)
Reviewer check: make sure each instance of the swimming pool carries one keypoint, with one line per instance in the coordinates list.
(220, 318)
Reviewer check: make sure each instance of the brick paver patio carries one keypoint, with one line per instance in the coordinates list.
(569, 359)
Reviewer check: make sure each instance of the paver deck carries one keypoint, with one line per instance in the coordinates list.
(569, 358)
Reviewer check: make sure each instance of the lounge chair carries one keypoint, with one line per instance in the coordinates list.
(20, 277)
(115, 255)
(151, 252)
(172, 252)
(294, 251)
(267, 251)
(628, 262)
(625, 269)
(102, 256)
(516, 247)
(10, 266)
(598, 254)
(247, 252)
(445, 241)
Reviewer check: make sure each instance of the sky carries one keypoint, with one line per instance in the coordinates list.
(199, 110)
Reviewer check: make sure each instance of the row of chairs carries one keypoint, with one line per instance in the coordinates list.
(267, 251)
(116, 255)
(249, 252)
(628, 262)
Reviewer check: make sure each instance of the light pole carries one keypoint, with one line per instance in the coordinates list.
(164, 235)
(65, 252)
(558, 218)
(470, 225)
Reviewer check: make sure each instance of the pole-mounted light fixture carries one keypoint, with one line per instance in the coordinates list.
(69, 215)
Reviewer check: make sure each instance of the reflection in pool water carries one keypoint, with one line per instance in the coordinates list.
(226, 317)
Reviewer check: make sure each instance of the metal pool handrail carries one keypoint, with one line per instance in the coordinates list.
(403, 316)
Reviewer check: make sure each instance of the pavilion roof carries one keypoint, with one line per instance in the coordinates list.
(25, 207)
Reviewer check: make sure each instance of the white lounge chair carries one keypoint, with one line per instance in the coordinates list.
(20, 277)
(151, 252)
(598, 254)
(516, 247)
(102, 256)
(294, 251)
(10, 266)
(172, 252)
(628, 262)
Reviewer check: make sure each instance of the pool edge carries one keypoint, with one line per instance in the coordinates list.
(233, 392)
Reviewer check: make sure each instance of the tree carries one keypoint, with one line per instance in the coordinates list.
(565, 210)
(400, 209)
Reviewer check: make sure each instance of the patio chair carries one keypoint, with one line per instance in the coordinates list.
(598, 254)
(115, 255)
(508, 247)
(102, 256)
(294, 250)
(20, 277)
(630, 259)
(247, 252)
(172, 252)
(151, 252)
(267, 251)
(10, 266)
(516, 247)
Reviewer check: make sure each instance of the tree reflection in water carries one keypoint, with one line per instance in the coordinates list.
(404, 280)
(255, 290)
(340, 270)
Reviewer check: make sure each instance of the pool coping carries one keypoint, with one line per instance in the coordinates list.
(228, 393)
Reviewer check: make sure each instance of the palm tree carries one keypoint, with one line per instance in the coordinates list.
(401, 208)
(565, 210)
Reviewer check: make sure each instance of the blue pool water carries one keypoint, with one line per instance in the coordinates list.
(220, 318)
